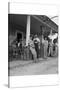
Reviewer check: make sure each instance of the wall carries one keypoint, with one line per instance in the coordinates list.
(12, 31)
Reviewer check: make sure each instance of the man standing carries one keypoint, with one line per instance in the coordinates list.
(32, 48)
(45, 47)
(50, 53)
(36, 43)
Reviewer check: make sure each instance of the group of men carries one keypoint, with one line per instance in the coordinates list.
(35, 46)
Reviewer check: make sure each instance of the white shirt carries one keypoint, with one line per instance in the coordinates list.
(37, 39)
(31, 43)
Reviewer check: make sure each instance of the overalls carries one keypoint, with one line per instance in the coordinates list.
(32, 49)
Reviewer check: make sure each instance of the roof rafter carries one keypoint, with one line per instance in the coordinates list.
(43, 22)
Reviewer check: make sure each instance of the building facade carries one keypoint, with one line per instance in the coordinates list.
(21, 26)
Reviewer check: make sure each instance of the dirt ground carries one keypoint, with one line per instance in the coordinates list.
(43, 66)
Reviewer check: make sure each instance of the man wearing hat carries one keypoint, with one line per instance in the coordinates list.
(36, 43)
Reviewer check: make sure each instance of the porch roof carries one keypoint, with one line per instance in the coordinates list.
(36, 22)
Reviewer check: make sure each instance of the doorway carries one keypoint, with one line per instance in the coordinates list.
(19, 36)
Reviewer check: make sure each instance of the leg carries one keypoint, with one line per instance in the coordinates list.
(51, 50)
(34, 54)
(45, 52)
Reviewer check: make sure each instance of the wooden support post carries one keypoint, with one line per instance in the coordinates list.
(27, 36)
(27, 30)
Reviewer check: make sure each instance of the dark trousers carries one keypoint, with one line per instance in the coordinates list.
(37, 49)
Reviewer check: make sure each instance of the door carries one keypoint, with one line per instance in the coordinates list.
(19, 36)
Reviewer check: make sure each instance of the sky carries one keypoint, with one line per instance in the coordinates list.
(55, 19)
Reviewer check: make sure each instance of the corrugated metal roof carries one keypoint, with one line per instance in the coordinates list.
(47, 21)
